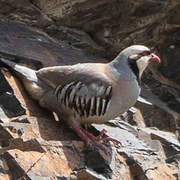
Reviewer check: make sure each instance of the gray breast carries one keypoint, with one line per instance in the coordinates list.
(124, 98)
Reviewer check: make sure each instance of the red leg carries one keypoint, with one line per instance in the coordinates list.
(91, 140)
(101, 137)
(81, 134)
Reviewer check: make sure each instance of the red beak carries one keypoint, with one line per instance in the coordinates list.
(155, 58)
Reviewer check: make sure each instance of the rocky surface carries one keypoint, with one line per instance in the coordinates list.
(34, 144)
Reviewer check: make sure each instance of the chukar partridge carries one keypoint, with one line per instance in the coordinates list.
(89, 92)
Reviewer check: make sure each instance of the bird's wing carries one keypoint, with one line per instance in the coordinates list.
(82, 88)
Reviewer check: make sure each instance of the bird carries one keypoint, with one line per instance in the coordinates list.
(87, 93)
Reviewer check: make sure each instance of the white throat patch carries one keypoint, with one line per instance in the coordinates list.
(142, 63)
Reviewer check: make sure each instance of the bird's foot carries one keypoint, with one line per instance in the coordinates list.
(102, 136)
(98, 141)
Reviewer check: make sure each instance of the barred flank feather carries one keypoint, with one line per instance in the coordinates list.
(83, 105)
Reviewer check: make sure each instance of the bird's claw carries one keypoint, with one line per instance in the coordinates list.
(95, 142)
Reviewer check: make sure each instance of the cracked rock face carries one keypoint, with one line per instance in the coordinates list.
(34, 144)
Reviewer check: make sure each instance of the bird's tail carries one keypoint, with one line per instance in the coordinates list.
(21, 71)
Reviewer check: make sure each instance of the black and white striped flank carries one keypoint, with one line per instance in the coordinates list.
(69, 96)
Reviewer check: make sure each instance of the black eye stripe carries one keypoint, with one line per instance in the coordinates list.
(135, 57)
(145, 53)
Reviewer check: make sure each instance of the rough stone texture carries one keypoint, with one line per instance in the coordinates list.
(37, 48)
(34, 144)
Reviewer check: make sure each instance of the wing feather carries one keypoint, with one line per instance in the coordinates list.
(79, 87)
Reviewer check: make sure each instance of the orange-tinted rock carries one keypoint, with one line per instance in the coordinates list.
(121, 169)
(134, 117)
(23, 98)
(161, 172)
(4, 171)
(54, 161)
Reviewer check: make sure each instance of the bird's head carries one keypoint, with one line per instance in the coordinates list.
(139, 57)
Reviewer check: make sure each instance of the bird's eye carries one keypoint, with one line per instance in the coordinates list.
(145, 53)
